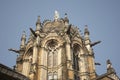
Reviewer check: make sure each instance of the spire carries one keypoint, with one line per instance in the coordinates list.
(56, 16)
(66, 19)
(23, 40)
(38, 25)
(38, 20)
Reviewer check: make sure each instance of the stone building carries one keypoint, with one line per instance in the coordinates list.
(56, 50)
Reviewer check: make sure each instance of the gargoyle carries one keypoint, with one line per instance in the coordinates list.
(94, 43)
(14, 50)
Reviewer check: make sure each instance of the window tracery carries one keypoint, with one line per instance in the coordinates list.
(52, 58)
(52, 53)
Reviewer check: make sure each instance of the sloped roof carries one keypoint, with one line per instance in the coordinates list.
(7, 73)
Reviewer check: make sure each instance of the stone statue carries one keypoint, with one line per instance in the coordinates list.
(56, 16)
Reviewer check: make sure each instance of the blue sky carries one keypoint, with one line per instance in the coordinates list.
(101, 16)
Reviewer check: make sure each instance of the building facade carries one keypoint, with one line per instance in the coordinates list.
(56, 50)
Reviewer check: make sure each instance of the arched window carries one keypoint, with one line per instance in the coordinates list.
(52, 59)
(76, 51)
(52, 53)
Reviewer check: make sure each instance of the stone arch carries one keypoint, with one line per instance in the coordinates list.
(76, 42)
(76, 47)
(58, 39)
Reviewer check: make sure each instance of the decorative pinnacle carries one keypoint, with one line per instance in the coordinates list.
(86, 30)
(23, 35)
(38, 20)
(66, 18)
(23, 40)
(109, 66)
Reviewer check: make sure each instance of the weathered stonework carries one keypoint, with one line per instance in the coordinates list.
(57, 51)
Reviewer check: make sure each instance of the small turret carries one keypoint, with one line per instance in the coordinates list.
(38, 25)
(90, 56)
(87, 40)
(23, 40)
(66, 20)
(86, 37)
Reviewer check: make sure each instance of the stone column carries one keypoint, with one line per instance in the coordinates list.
(42, 63)
(69, 61)
(34, 62)
(60, 63)
(35, 54)
(39, 71)
(68, 51)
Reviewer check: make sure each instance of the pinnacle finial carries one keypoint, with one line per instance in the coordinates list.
(56, 16)
(86, 30)
(66, 18)
(23, 40)
(38, 20)
(65, 14)
(38, 25)
(23, 35)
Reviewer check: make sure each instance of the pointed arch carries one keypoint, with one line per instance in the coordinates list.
(52, 53)
(45, 41)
